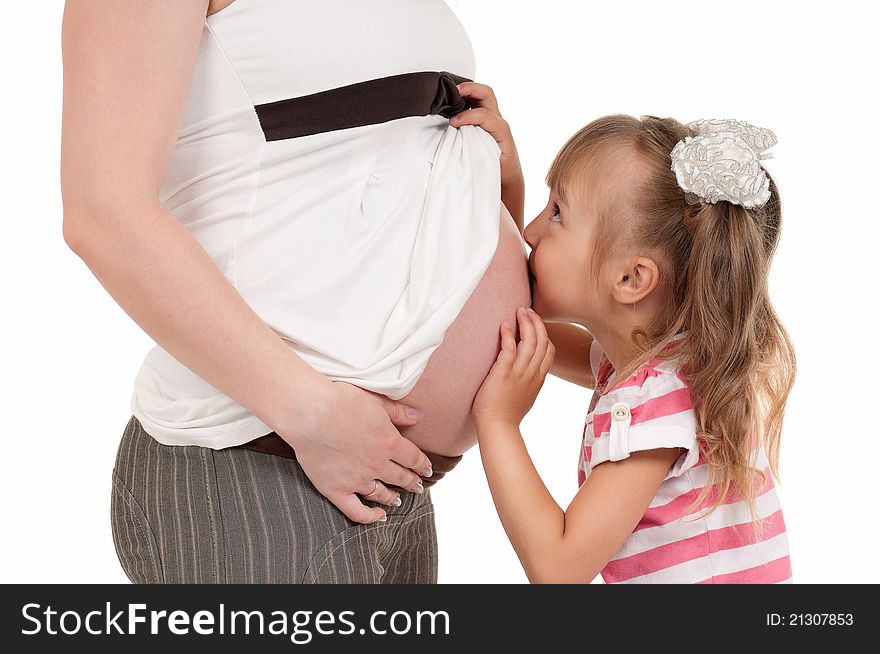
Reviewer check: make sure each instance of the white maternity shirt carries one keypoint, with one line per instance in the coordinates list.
(358, 247)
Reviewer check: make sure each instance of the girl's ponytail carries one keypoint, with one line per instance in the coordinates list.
(740, 363)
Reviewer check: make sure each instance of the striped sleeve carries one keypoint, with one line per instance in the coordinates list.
(649, 411)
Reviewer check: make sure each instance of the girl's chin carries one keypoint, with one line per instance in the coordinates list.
(545, 312)
(538, 306)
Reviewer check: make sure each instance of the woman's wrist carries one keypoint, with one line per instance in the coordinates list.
(298, 402)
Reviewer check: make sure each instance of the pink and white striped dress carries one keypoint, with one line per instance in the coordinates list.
(652, 409)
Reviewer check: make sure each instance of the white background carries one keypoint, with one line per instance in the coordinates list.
(806, 71)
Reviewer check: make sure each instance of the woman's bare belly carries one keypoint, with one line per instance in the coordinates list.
(447, 387)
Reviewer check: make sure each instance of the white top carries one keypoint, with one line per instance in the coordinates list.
(358, 247)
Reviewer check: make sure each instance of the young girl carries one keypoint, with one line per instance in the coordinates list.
(657, 238)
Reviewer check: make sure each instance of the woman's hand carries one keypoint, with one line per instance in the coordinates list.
(485, 114)
(513, 382)
(351, 443)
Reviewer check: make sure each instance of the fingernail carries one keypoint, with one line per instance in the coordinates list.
(429, 471)
(396, 501)
(419, 488)
(414, 414)
(385, 519)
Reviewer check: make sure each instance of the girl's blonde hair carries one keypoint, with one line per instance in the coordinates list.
(737, 357)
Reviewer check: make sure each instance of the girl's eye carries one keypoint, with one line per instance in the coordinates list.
(555, 212)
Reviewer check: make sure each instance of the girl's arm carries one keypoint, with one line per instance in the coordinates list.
(553, 545)
(571, 546)
(485, 114)
(572, 360)
(513, 196)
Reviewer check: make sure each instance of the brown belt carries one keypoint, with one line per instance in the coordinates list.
(272, 443)
(380, 100)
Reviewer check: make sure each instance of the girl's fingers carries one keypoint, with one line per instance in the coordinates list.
(542, 340)
(508, 342)
(482, 117)
(479, 95)
(547, 363)
(507, 355)
(527, 340)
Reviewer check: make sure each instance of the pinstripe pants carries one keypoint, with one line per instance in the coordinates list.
(189, 514)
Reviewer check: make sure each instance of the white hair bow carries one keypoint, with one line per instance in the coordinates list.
(723, 162)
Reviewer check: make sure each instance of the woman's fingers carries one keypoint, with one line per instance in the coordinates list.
(352, 506)
(401, 414)
(479, 95)
(396, 475)
(408, 455)
(382, 494)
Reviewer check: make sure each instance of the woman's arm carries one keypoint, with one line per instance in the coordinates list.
(572, 361)
(571, 546)
(127, 71)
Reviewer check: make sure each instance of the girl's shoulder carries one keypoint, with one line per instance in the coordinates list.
(650, 409)
(654, 379)
(658, 384)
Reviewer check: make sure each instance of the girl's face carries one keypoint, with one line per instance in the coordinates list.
(562, 238)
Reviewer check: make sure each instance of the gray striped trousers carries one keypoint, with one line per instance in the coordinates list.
(189, 514)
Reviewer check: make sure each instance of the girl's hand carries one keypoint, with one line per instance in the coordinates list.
(513, 382)
(350, 442)
(485, 114)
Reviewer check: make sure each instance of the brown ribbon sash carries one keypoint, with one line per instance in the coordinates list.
(365, 103)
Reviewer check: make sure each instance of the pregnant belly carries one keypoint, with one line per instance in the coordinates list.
(447, 387)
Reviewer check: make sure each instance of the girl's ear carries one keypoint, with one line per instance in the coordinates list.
(636, 281)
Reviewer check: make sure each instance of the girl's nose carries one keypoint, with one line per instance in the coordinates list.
(530, 233)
